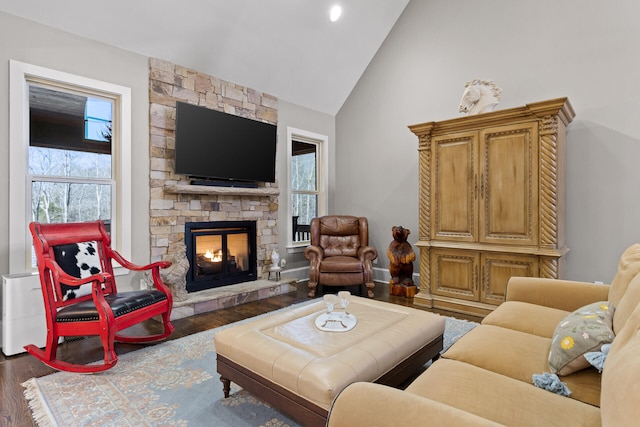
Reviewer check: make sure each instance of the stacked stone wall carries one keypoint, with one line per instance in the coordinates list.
(169, 212)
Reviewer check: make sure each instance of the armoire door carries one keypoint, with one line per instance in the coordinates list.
(509, 184)
(498, 268)
(455, 273)
(454, 187)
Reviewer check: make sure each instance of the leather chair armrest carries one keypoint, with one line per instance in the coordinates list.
(555, 293)
(314, 253)
(369, 404)
(367, 253)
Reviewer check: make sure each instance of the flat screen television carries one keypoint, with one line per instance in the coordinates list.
(211, 144)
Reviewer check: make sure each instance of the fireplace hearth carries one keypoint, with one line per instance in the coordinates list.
(220, 253)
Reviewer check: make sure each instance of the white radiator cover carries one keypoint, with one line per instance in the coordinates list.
(23, 320)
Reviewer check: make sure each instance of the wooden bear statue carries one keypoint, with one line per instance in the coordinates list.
(401, 257)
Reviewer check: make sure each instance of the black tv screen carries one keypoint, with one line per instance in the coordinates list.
(213, 144)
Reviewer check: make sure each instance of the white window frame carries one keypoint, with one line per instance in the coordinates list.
(20, 75)
(322, 142)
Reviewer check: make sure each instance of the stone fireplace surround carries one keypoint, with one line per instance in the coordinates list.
(173, 201)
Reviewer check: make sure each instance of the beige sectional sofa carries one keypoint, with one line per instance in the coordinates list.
(485, 378)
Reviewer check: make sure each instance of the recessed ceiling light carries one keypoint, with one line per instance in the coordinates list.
(335, 13)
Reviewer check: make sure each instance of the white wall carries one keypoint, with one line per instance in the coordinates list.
(36, 44)
(584, 49)
(295, 116)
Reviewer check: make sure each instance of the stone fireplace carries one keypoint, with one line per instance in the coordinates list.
(220, 253)
(174, 202)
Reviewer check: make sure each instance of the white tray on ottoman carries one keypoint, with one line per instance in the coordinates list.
(288, 362)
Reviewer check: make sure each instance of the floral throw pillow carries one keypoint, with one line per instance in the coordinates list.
(583, 331)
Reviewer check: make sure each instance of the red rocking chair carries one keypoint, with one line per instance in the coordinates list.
(80, 294)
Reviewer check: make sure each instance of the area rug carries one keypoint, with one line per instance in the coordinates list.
(170, 384)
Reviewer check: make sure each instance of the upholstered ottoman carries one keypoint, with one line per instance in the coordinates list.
(287, 361)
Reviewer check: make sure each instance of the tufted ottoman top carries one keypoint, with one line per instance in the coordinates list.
(289, 350)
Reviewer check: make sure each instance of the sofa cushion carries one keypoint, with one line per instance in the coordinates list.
(526, 317)
(499, 398)
(585, 330)
(621, 376)
(369, 404)
(628, 267)
(512, 353)
(519, 355)
(627, 304)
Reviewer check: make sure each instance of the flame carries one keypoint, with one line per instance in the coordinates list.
(213, 257)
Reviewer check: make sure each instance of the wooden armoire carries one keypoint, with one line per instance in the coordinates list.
(492, 203)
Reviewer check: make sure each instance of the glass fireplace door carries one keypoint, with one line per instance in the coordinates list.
(220, 255)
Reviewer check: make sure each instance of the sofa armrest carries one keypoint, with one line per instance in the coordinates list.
(369, 404)
(554, 293)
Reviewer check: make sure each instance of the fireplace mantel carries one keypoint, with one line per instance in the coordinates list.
(224, 191)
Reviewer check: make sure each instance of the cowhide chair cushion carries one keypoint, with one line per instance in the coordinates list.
(78, 260)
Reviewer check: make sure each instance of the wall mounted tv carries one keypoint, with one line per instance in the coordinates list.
(215, 145)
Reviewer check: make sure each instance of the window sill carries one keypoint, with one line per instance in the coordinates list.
(294, 249)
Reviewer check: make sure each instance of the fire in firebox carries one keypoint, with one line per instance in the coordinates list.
(220, 253)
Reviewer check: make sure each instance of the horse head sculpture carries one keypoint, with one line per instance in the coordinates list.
(480, 96)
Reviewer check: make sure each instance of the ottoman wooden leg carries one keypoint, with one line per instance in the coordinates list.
(226, 386)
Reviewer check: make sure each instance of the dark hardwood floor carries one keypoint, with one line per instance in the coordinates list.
(14, 370)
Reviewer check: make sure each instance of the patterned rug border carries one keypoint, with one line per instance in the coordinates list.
(44, 416)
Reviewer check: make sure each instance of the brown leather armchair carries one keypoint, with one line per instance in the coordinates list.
(339, 253)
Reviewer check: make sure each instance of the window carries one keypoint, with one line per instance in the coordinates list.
(69, 156)
(307, 182)
(70, 143)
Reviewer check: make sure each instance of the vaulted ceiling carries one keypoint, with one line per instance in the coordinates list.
(287, 48)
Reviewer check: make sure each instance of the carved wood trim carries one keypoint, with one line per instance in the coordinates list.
(548, 182)
(424, 202)
(549, 268)
(559, 106)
